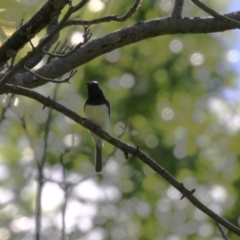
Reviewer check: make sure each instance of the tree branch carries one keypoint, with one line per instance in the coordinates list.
(123, 37)
(49, 10)
(124, 147)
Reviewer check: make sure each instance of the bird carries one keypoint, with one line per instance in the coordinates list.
(97, 110)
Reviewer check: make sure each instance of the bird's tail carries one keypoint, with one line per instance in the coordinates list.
(98, 159)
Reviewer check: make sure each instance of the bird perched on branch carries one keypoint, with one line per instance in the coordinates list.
(97, 111)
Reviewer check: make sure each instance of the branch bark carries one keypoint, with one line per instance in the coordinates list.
(135, 151)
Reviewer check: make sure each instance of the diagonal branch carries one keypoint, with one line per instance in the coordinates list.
(124, 147)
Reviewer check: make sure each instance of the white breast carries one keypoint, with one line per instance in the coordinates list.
(98, 115)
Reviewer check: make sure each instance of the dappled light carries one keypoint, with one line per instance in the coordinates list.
(76, 37)
(165, 5)
(96, 5)
(233, 56)
(151, 141)
(113, 56)
(22, 224)
(176, 46)
(127, 80)
(5, 233)
(167, 114)
(72, 140)
(196, 59)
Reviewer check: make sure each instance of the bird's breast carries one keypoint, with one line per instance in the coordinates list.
(98, 114)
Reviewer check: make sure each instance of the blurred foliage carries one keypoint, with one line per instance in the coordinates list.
(167, 97)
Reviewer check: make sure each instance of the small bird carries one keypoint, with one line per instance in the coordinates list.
(97, 110)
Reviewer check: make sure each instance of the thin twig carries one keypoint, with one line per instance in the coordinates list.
(124, 147)
(24, 126)
(54, 50)
(86, 37)
(31, 44)
(114, 18)
(79, 5)
(216, 15)
(64, 207)
(221, 231)
(8, 105)
(60, 55)
(72, 73)
(67, 187)
(63, 49)
(40, 178)
(12, 61)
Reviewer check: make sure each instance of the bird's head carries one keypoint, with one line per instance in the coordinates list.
(94, 89)
(93, 85)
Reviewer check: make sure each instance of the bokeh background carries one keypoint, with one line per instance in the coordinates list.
(176, 97)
